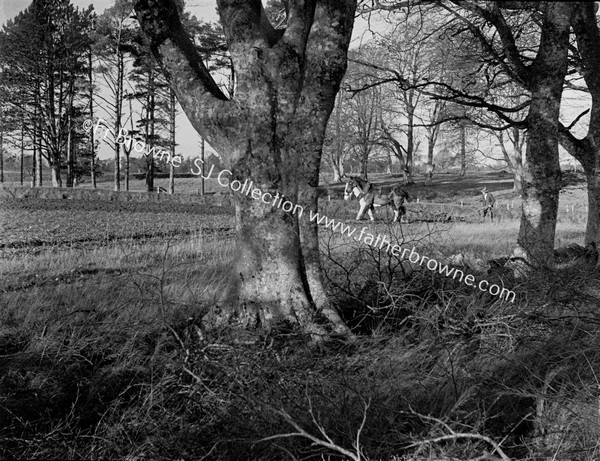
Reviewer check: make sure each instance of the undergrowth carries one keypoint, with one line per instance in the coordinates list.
(113, 363)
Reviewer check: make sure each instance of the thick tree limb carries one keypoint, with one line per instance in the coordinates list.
(160, 22)
(270, 33)
(300, 16)
(588, 38)
(197, 92)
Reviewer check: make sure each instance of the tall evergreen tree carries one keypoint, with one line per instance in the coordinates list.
(116, 32)
(43, 54)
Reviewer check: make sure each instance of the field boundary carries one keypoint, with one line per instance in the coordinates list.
(18, 192)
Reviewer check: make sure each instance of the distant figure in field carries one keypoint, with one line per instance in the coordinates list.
(488, 203)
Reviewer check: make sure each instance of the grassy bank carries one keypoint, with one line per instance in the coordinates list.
(103, 355)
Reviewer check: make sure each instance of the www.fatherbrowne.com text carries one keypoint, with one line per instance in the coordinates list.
(278, 201)
(247, 188)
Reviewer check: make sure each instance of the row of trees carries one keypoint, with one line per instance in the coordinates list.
(500, 66)
(60, 65)
(399, 98)
(274, 125)
(383, 114)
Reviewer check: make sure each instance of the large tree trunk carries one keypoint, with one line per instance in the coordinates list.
(541, 175)
(587, 151)
(266, 284)
(286, 87)
(272, 273)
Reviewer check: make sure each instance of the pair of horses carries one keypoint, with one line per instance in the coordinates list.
(369, 198)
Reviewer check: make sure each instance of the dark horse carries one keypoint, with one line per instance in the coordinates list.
(369, 198)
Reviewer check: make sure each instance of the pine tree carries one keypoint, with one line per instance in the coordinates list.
(43, 53)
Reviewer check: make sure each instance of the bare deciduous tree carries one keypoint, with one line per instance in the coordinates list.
(587, 150)
(272, 131)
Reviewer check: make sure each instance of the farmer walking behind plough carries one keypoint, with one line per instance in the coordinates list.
(488, 203)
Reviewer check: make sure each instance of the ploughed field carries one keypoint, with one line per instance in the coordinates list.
(37, 225)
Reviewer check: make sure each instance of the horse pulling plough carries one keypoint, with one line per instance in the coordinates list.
(369, 198)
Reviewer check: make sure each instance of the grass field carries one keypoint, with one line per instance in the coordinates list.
(102, 354)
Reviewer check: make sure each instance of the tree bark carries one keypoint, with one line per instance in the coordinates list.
(587, 150)
(541, 175)
(286, 86)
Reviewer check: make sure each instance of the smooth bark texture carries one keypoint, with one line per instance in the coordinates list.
(272, 133)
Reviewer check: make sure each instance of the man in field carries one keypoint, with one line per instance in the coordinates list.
(488, 203)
